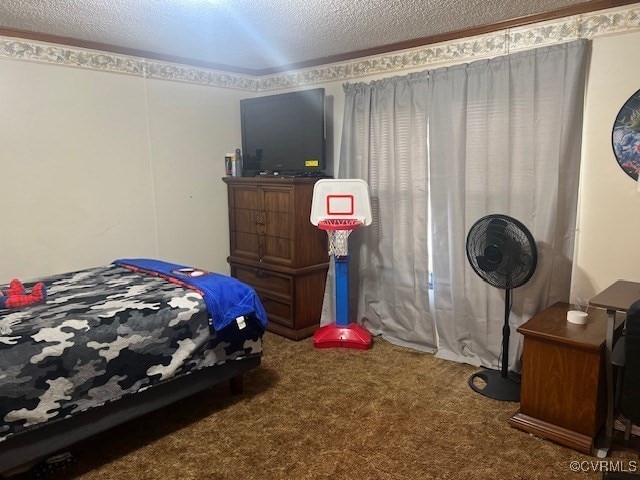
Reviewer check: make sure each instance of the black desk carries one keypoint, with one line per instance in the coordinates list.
(616, 298)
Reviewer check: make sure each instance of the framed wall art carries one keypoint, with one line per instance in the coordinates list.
(626, 136)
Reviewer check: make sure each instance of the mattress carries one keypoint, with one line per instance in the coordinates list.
(105, 333)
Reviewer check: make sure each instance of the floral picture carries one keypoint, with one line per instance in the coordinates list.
(626, 136)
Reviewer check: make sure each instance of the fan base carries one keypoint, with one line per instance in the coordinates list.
(501, 388)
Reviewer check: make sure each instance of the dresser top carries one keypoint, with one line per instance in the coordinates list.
(279, 180)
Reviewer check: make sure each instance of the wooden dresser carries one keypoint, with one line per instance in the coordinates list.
(276, 250)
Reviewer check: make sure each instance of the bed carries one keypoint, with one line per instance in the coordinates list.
(112, 343)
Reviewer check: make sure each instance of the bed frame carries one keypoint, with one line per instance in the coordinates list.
(54, 436)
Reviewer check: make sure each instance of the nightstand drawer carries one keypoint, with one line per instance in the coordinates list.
(265, 280)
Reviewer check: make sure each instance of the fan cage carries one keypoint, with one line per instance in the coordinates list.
(502, 251)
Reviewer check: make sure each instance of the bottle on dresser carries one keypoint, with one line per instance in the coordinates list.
(228, 164)
(238, 157)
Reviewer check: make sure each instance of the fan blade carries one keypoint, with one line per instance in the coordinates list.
(485, 264)
(496, 232)
(525, 261)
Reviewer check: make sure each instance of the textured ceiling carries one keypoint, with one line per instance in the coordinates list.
(259, 34)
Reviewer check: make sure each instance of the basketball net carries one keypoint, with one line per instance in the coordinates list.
(338, 230)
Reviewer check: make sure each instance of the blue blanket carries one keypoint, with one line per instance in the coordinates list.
(226, 298)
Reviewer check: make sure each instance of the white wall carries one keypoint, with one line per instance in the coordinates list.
(98, 166)
(609, 214)
(191, 128)
(76, 188)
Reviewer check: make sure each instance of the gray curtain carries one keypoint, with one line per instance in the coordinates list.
(493, 136)
(384, 142)
(505, 138)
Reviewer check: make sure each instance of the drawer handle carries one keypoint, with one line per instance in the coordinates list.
(260, 273)
(260, 219)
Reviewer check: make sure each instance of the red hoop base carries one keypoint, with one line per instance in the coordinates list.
(335, 336)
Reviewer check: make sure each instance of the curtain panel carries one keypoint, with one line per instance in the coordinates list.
(440, 149)
(384, 142)
(505, 138)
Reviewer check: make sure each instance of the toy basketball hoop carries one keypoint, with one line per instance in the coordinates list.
(339, 207)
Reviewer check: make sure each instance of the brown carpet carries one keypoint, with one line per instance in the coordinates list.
(385, 413)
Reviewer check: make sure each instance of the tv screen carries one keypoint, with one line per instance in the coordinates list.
(284, 134)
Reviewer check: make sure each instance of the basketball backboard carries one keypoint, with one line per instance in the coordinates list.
(341, 199)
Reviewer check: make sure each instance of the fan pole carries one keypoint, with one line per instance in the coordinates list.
(506, 331)
(498, 384)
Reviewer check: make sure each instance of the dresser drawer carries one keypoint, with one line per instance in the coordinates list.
(278, 311)
(264, 280)
(278, 199)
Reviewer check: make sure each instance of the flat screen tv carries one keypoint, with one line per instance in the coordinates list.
(284, 134)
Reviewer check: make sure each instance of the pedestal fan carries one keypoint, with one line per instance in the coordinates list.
(502, 251)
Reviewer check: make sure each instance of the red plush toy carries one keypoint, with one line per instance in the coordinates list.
(16, 296)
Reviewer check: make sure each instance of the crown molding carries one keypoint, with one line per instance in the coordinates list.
(26, 50)
(588, 25)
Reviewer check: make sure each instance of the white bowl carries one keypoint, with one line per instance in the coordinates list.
(577, 316)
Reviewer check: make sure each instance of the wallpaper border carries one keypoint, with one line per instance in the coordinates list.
(591, 25)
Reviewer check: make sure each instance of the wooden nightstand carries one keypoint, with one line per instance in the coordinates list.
(563, 395)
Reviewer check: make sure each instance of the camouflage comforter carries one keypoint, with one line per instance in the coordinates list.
(104, 333)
